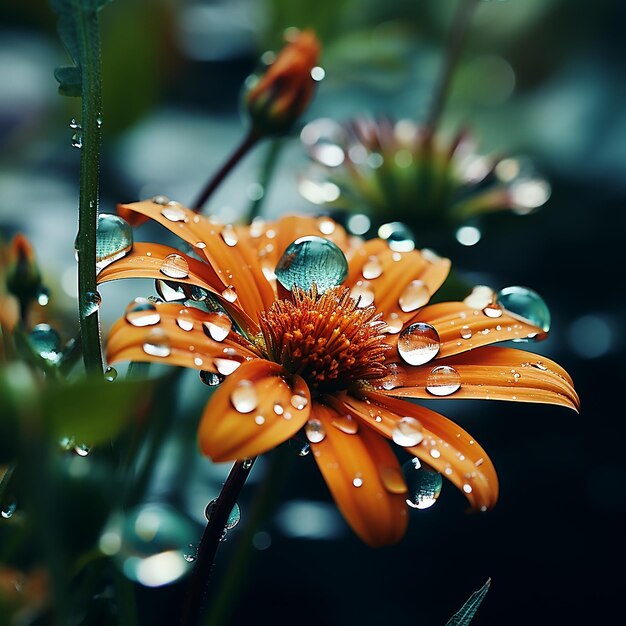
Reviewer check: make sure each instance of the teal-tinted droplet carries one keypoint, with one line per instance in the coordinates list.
(46, 342)
(8, 508)
(90, 303)
(233, 518)
(149, 544)
(110, 374)
(527, 304)
(211, 378)
(398, 236)
(424, 484)
(310, 260)
(114, 239)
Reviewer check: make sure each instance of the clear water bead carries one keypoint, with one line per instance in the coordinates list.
(90, 303)
(114, 239)
(527, 304)
(407, 432)
(244, 397)
(415, 295)
(217, 326)
(174, 266)
(46, 342)
(311, 260)
(423, 483)
(443, 381)
(314, 431)
(110, 374)
(141, 312)
(418, 343)
(170, 291)
(233, 518)
(157, 344)
(8, 509)
(398, 236)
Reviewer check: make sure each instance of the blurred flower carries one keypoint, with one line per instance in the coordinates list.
(383, 168)
(23, 594)
(278, 98)
(23, 278)
(313, 329)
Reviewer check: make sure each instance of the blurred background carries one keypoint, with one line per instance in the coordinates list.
(543, 79)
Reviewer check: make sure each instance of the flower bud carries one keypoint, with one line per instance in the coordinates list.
(278, 98)
(23, 278)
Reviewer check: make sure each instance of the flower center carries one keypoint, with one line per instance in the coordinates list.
(326, 338)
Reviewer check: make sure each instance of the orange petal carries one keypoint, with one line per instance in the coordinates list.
(398, 283)
(462, 328)
(179, 339)
(146, 261)
(445, 446)
(489, 373)
(254, 410)
(219, 244)
(365, 479)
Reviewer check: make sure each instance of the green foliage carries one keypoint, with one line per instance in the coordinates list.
(466, 613)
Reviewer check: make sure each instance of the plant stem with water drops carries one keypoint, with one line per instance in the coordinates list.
(213, 533)
(242, 149)
(460, 25)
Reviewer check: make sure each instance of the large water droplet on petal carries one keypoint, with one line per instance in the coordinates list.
(46, 342)
(149, 543)
(424, 484)
(527, 304)
(217, 326)
(311, 260)
(157, 344)
(415, 295)
(141, 312)
(114, 239)
(418, 343)
(233, 518)
(244, 397)
(372, 268)
(174, 213)
(226, 366)
(314, 431)
(175, 266)
(170, 291)
(407, 432)
(443, 381)
(184, 320)
(210, 378)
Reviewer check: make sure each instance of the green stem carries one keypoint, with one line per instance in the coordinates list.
(242, 149)
(267, 172)
(199, 581)
(91, 137)
(458, 32)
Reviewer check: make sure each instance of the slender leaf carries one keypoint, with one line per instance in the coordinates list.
(466, 613)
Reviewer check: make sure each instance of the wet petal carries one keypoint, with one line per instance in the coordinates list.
(219, 244)
(400, 282)
(252, 412)
(178, 338)
(364, 477)
(445, 445)
(490, 373)
(462, 328)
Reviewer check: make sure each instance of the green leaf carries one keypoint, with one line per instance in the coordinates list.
(93, 410)
(466, 613)
(70, 80)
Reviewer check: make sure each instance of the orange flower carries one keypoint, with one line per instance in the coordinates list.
(23, 277)
(282, 94)
(330, 363)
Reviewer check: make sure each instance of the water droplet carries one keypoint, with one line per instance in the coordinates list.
(392, 479)
(160, 200)
(157, 344)
(110, 374)
(398, 236)
(372, 268)
(90, 303)
(423, 483)
(230, 294)
(310, 260)
(480, 297)
(278, 409)
(233, 518)
(306, 448)
(99, 120)
(357, 481)
(247, 463)
(169, 291)
(326, 226)
(493, 310)
(298, 401)
(229, 235)
(43, 297)
(149, 544)
(82, 449)
(141, 312)
(184, 320)
(8, 508)
(415, 295)
(174, 266)
(407, 432)
(527, 304)
(75, 124)
(466, 332)
(190, 558)
(418, 343)
(210, 378)
(46, 342)
(443, 381)
(77, 140)
(314, 431)
(226, 366)
(67, 443)
(174, 213)
(217, 326)
(244, 397)
(346, 424)
(114, 239)
(363, 294)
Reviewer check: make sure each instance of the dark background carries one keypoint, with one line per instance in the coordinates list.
(553, 546)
